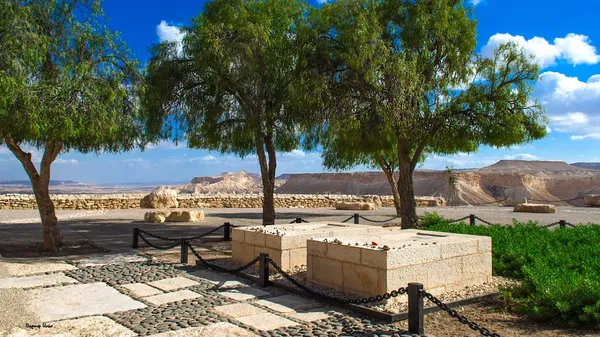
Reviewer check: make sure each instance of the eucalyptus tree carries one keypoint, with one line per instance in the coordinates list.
(228, 87)
(397, 80)
(67, 83)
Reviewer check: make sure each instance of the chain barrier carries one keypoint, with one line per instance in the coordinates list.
(164, 238)
(350, 218)
(551, 225)
(219, 268)
(176, 243)
(378, 298)
(457, 220)
(565, 200)
(462, 319)
(485, 222)
(570, 225)
(378, 221)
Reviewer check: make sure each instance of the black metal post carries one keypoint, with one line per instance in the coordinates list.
(563, 223)
(415, 309)
(136, 234)
(263, 270)
(184, 252)
(298, 220)
(227, 231)
(472, 219)
(356, 218)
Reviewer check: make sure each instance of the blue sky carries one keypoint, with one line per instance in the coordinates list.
(563, 36)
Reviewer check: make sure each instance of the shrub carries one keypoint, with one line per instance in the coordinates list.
(559, 269)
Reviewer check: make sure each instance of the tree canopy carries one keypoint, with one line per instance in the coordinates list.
(67, 82)
(229, 88)
(398, 80)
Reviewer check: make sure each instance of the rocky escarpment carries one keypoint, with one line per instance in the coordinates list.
(227, 182)
(507, 180)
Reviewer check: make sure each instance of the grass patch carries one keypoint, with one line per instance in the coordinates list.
(559, 269)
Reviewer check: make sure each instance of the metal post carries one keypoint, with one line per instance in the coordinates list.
(136, 234)
(472, 219)
(356, 218)
(263, 270)
(415, 309)
(184, 252)
(563, 223)
(298, 220)
(227, 231)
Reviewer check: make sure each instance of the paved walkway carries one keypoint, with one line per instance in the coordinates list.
(128, 295)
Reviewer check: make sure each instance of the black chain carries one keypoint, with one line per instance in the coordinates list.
(164, 238)
(350, 218)
(457, 220)
(378, 298)
(176, 243)
(570, 224)
(304, 221)
(550, 225)
(378, 221)
(219, 268)
(474, 326)
(485, 222)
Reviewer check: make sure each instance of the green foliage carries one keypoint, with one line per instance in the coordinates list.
(65, 78)
(559, 269)
(230, 88)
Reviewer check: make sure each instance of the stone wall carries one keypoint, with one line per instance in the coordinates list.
(132, 201)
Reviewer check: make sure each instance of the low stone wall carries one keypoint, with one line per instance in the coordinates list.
(132, 201)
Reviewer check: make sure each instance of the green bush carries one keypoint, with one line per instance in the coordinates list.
(559, 269)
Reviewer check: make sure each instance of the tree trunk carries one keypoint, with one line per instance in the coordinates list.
(406, 190)
(267, 170)
(53, 239)
(389, 174)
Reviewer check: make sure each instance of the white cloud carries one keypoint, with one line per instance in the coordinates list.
(208, 158)
(476, 2)
(66, 161)
(321, 1)
(462, 160)
(294, 154)
(521, 156)
(166, 145)
(588, 136)
(168, 33)
(575, 49)
(571, 105)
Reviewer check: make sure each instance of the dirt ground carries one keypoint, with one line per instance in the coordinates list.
(112, 230)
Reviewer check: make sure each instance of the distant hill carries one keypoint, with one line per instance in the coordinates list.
(227, 182)
(52, 182)
(590, 166)
(531, 165)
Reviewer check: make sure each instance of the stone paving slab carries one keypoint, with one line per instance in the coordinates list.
(212, 277)
(95, 326)
(311, 315)
(24, 267)
(239, 310)
(173, 283)
(244, 294)
(289, 303)
(232, 285)
(35, 281)
(141, 289)
(266, 321)
(104, 259)
(77, 300)
(213, 330)
(172, 297)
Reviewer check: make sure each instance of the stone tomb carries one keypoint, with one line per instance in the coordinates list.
(286, 244)
(441, 261)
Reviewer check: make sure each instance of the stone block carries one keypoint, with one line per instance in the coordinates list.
(156, 217)
(535, 208)
(237, 235)
(592, 200)
(185, 216)
(460, 248)
(297, 257)
(255, 238)
(476, 266)
(173, 283)
(317, 248)
(239, 310)
(360, 279)
(401, 277)
(327, 271)
(273, 241)
(356, 206)
(242, 252)
(175, 296)
(484, 244)
(266, 321)
(439, 273)
(160, 198)
(343, 252)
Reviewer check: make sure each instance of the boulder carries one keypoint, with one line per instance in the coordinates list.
(592, 200)
(185, 216)
(156, 217)
(161, 198)
(174, 216)
(535, 208)
(356, 206)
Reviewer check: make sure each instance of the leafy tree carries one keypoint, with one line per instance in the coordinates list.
(396, 80)
(229, 88)
(66, 83)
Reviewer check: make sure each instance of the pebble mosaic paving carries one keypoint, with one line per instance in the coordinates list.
(167, 300)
